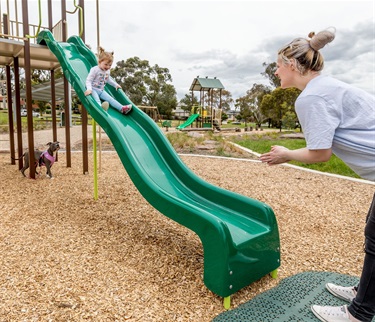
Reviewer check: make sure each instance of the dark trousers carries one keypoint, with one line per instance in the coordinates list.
(363, 306)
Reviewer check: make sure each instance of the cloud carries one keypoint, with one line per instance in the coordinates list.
(352, 43)
(229, 39)
(350, 58)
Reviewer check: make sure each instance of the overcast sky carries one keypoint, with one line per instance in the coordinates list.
(229, 39)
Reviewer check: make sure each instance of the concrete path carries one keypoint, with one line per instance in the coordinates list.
(41, 138)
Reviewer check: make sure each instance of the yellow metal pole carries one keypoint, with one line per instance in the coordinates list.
(95, 160)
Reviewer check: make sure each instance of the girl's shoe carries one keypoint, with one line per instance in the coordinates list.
(126, 109)
(105, 105)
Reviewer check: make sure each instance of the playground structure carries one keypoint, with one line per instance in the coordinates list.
(239, 234)
(188, 122)
(151, 111)
(19, 49)
(206, 117)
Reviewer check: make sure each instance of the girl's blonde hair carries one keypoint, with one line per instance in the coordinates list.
(305, 52)
(105, 55)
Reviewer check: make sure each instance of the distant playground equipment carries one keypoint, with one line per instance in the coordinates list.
(205, 117)
(151, 111)
(167, 124)
(188, 122)
(239, 235)
(199, 113)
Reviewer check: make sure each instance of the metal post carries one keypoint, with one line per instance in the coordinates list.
(66, 92)
(18, 110)
(53, 84)
(10, 114)
(30, 126)
(83, 110)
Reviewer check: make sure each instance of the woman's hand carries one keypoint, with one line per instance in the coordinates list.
(278, 154)
(88, 92)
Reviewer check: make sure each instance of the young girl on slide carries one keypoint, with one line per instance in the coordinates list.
(98, 77)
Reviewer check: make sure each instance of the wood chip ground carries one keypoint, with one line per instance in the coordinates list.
(67, 257)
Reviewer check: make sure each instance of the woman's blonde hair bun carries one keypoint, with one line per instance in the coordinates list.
(322, 38)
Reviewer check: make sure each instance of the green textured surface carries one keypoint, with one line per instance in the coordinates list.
(190, 120)
(239, 235)
(291, 300)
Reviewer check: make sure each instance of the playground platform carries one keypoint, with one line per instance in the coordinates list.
(290, 300)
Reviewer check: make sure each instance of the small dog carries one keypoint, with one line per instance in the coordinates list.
(41, 158)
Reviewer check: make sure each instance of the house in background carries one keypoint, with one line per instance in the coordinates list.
(232, 115)
(181, 114)
(3, 103)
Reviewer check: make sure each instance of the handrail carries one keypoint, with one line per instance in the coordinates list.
(71, 12)
(40, 21)
(81, 16)
(11, 36)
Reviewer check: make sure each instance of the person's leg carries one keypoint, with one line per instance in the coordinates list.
(106, 97)
(363, 305)
(95, 94)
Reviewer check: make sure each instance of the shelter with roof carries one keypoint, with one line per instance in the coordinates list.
(206, 88)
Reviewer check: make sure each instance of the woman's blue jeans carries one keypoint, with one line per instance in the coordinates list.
(363, 306)
(98, 95)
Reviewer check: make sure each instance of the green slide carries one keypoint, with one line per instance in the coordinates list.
(190, 120)
(239, 235)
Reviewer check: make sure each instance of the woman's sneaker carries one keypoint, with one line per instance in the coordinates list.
(342, 292)
(126, 109)
(333, 313)
(105, 105)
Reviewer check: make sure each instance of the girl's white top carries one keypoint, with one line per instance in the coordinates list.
(97, 78)
(336, 115)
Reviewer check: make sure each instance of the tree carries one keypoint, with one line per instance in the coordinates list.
(39, 76)
(277, 103)
(243, 104)
(167, 101)
(289, 119)
(4, 83)
(146, 85)
(249, 104)
(42, 105)
(188, 101)
(226, 99)
(269, 72)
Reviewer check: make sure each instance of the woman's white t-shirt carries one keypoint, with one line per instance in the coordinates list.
(336, 115)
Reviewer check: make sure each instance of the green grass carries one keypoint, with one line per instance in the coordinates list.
(3, 117)
(39, 123)
(262, 144)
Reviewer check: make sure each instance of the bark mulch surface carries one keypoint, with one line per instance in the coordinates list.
(67, 257)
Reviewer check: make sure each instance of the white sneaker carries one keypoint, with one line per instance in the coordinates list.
(332, 313)
(105, 105)
(344, 293)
